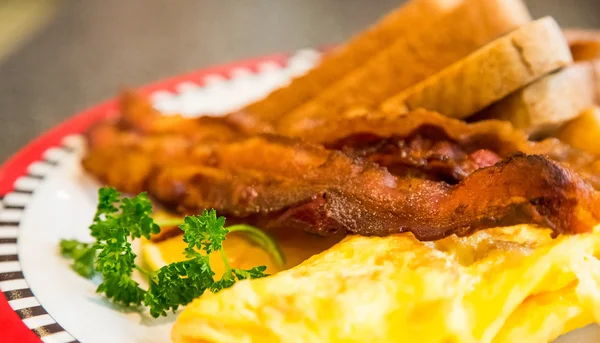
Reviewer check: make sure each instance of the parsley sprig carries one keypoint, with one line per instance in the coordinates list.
(82, 254)
(118, 221)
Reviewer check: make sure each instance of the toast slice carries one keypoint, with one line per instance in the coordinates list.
(421, 53)
(410, 17)
(585, 46)
(596, 67)
(489, 74)
(542, 107)
(585, 50)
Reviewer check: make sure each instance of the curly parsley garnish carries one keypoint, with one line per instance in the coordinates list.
(83, 255)
(118, 221)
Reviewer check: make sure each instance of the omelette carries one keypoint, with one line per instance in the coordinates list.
(512, 284)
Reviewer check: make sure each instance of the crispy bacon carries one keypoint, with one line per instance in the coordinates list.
(422, 144)
(125, 151)
(370, 174)
(478, 143)
(345, 193)
(419, 155)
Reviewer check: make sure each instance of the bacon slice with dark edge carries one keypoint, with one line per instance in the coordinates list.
(352, 194)
(454, 147)
(370, 175)
(421, 144)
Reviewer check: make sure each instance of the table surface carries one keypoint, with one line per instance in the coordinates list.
(90, 49)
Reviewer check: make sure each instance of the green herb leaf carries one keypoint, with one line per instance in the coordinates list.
(107, 197)
(254, 273)
(254, 234)
(135, 216)
(69, 246)
(226, 281)
(117, 222)
(205, 232)
(178, 284)
(83, 255)
(116, 262)
(232, 275)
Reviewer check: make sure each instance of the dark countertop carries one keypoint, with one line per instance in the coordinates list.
(92, 48)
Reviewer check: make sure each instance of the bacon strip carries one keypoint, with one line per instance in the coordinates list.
(192, 164)
(491, 136)
(351, 194)
(422, 144)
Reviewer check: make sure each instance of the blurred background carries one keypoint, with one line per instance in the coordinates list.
(58, 57)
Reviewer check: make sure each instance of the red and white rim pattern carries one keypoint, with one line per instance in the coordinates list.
(22, 318)
(14, 287)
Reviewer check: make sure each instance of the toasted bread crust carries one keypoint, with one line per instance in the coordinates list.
(585, 46)
(490, 73)
(411, 16)
(582, 35)
(585, 50)
(421, 53)
(543, 106)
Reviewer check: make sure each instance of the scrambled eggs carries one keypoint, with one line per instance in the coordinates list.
(512, 284)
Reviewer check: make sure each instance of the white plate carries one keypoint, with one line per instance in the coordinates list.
(56, 200)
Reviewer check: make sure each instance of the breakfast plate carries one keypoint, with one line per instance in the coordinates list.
(42, 298)
(47, 197)
(420, 183)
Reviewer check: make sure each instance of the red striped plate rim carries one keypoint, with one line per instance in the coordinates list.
(12, 329)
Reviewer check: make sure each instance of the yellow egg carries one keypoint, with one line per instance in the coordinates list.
(241, 252)
(512, 284)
